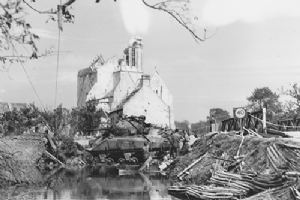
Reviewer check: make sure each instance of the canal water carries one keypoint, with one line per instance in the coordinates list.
(95, 184)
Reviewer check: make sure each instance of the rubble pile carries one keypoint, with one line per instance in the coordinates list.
(230, 166)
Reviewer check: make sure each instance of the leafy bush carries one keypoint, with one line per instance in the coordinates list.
(84, 119)
(18, 121)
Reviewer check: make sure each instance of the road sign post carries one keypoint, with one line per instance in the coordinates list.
(240, 113)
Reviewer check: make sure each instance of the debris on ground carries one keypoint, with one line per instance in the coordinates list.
(231, 166)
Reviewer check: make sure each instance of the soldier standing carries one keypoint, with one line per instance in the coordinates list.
(175, 144)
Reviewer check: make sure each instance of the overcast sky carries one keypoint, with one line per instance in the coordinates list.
(256, 43)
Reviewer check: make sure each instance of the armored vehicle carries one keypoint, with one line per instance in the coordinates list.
(129, 149)
(131, 140)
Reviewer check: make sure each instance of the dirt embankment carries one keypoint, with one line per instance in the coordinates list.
(18, 158)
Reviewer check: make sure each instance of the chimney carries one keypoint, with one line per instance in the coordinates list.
(133, 54)
(145, 80)
(138, 51)
(130, 49)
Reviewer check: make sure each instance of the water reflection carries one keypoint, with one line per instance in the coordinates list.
(104, 184)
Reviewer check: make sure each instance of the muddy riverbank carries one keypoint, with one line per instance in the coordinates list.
(19, 157)
(34, 158)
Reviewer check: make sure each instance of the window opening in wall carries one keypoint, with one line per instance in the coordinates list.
(133, 56)
(127, 59)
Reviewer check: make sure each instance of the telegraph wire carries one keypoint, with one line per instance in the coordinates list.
(32, 86)
(28, 77)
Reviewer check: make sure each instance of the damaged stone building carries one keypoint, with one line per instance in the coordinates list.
(121, 87)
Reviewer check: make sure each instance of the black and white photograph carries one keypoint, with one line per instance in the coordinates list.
(149, 99)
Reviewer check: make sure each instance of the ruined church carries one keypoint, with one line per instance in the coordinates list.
(121, 88)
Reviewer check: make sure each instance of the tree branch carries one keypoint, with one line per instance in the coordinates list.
(177, 17)
(51, 11)
(68, 3)
(161, 6)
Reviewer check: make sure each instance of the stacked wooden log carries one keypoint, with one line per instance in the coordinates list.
(248, 182)
(295, 192)
(283, 193)
(285, 157)
(265, 168)
(225, 185)
(205, 192)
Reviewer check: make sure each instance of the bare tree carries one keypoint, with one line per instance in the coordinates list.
(180, 11)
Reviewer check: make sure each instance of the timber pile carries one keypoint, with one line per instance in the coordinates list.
(282, 193)
(225, 185)
(248, 182)
(228, 166)
(284, 157)
(205, 192)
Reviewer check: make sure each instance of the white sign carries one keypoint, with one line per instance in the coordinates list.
(240, 113)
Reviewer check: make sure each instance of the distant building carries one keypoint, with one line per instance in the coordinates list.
(121, 88)
(183, 125)
(6, 106)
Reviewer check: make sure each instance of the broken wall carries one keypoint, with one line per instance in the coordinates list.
(86, 79)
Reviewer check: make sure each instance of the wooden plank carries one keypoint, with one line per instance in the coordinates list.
(54, 158)
(190, 166)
